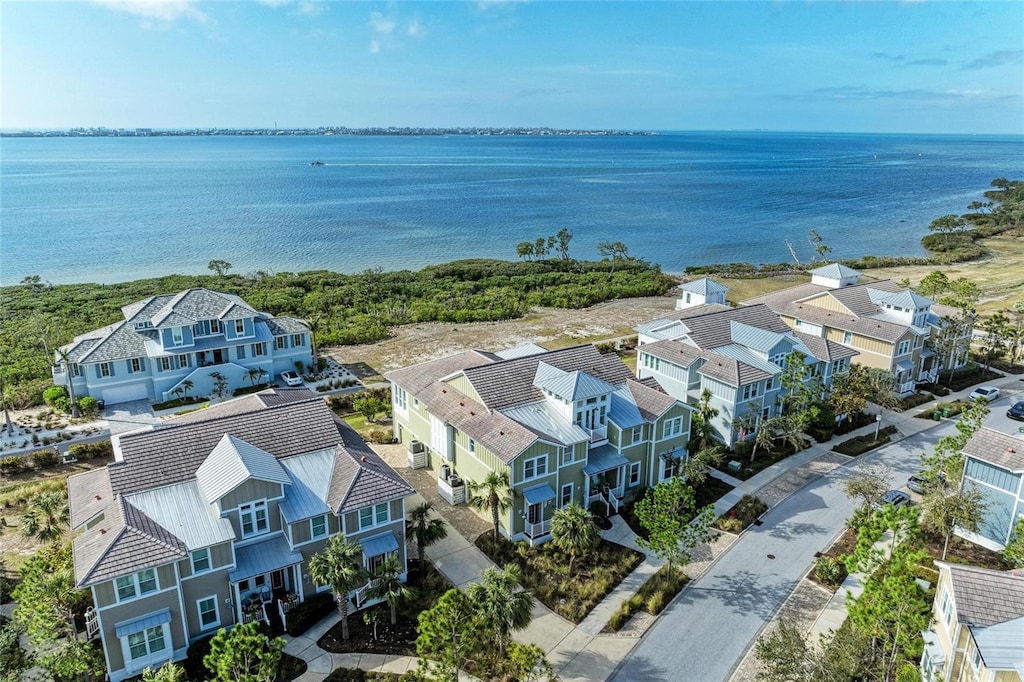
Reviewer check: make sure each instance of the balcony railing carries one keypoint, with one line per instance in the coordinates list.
(599, 435)
(362, 594)
(536, 531)
(905, 388)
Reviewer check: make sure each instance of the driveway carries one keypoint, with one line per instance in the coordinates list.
(703, 635)
(129, 416)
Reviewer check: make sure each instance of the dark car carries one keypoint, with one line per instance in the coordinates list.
(1016, 411)
(896, 498)
(919, 483)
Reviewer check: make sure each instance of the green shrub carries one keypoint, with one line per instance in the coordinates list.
(14, 464)
(381, 437)
(42, 459)
(619, 618)
(87, 451)
(89, 405)
(655, 603)
(51, 394)
(305, 615)
(829, 571)
(913, 401)
(730, 525)
(861, 444)
(62, 404)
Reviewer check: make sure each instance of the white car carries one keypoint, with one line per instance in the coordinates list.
(986, 393)
(291, 378)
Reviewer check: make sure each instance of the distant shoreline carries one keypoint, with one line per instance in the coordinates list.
(327, 131)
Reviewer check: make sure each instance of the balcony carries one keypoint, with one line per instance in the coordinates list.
(538, 531)
(905, 388)
(598, 436)
(362, 594)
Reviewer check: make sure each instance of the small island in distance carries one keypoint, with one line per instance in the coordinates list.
(322, 130)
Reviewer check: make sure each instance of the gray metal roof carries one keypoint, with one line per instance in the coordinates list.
(603, 458)
(263, 557)
(985, 597)
(704, 286)
(311, 481)
(835, 271)
(572, 386)
(521, 351)
(1003, 450)
(538, 494)
(763, 340)
(1001, 645)
(542, 418)
(182, 510)
(379, 544)
(623, 411)
(233, 462)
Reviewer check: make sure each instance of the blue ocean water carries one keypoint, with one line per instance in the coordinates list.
(112, 209)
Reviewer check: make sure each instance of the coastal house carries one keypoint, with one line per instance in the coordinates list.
(210, 519)
(994, 464)
(736, 354)
(567, 426)
(978, 631)
(700, 292)
(191, 336)
(890, 326)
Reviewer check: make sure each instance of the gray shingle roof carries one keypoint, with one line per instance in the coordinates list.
(983, 596)
(704, 286)
(231, 463)
(192, 305)
(415, 378)
(173, 451)
(823, 349)
(510, 382)
(730, 370)
(285, 325)
(651, 401)
(712, 326)
(88, 494)
(121, 341)
(360, 477)
(998, 448)
(677, 352)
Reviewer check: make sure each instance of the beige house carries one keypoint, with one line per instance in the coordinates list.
(889, 326)
(567, 426)
(978, 633)
(210, 519)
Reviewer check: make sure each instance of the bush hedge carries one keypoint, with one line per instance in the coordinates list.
(86, 451)
(913, 401)
(15, 464)
(653, 596)
(742, 514)
(861, 444)
(829, 571)
(305, 615)
(42, 459)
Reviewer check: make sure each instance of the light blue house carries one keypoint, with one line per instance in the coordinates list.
(192, 336)
(994, 464)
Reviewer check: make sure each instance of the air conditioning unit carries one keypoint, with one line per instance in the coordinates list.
(415, 447)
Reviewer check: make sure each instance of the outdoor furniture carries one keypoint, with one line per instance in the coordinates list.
(266, 596)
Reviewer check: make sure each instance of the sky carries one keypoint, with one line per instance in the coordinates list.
(912, 67)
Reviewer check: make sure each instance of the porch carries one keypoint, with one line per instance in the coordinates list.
(266, 576)
(539, 505)
(606, 478)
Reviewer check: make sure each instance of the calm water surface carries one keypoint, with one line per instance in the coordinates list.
(111, 209)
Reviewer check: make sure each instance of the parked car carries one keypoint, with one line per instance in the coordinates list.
(291, 378)
(1016, 411)
(987, 393)
(896, 498)
(919, 483)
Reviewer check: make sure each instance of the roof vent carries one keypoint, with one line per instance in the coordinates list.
(99, 497)
(472, 413)
(444, 390)
(1010, 450)
(462, 404)
(363, 458)
(102, 531)
(501, 433)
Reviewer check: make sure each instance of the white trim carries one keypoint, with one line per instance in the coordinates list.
(373, 516)
(327, 527)
(137, 592)
(192, 561)
(216, 612)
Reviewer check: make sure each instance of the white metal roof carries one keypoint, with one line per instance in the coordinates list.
(231, 463)
(311, 480)
(181, 510)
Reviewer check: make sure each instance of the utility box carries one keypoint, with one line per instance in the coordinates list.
(735, 466)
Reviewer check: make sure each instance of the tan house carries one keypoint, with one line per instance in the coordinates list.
(978, 633)
(210, 519)
(567, 426)
(889, 326)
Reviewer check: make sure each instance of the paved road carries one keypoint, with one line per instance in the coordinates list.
(705, 632)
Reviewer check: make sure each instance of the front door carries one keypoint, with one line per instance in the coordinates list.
(533, 513)
(218, 357)
(277, 580)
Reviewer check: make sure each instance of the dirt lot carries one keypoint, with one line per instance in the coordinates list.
(554, 328)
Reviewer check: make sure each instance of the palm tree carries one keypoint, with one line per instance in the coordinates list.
(425, 529)
(65, 362)
(339, 565)
(492, 494)
(186, 386)
(573, 531)
(703, 428)
(255, 375)
(389, 585)
(46, 517)
(503, 606)
(315, 324)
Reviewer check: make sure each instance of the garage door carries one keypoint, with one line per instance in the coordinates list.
(123, 394)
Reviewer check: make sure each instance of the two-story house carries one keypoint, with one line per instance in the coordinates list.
(190, 336)
(887, 324)
(210, 519)
(567, 426)
(994, 465)
(978, 631)
(736, 354)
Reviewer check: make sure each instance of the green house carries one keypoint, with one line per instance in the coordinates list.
(568, 426)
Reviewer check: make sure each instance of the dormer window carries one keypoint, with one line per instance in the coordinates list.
(253, 517)
(176, 336)
(240, 327)
(215, 326)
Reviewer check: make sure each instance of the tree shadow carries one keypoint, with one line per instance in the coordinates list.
(633, 667)
(790, 531)
(744, 592)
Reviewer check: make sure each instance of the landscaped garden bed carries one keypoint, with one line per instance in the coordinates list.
(858, 445)
(967, 376)
(179, 402)
(545, 571)
(289, 668)
(652, 597)
(944, 410)
(398, 639)
(745, 512)
(764, 458)
(708, 492)
(912, 401)
(357, 675)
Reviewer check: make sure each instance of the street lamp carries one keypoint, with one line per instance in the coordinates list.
(878, 423)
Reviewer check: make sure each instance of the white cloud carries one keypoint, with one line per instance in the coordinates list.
(374, 47)
(311, 8)
(160, 10)
(416, 29)
(381, 23)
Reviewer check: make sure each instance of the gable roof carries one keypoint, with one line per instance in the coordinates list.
(985, 597)
(504, 437)
(189, 306)
(360, 477)
(824, 349)
(574, 385)
(415, 378)
(119, 340)
(1001, 645)
(835, 271)
(704, 286)
(708, 327)
(231, 463)
(89, 493)
(730, 370)
(677, 352)
(989, 445)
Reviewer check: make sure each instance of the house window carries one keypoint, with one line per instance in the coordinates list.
(634, 474)
(374, 516)
(669, 466)
(566, 497)
(373, 563)
(146, 643)
(259, 349)
(779, 359)
(638, 434)
(297, 340)
(652, 362)
(567, 455)
(201, 560)
(215, 326)
(472, 445)
(750, 391)
(137, 584)
(240, 327)
(280, 342)
(184, 361)
(105, 369)
(532, 468)
(318, 526)
(254, 518)
(946, 608)
(976, 658)
(135, 365)
(687, 297)
(399, 397)
(847, 338)
(904, 347)
(208, 615)
(768, 383)
(176, 336)
(241, 352)
(671, 427)
(798, 323)
(165, 364)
